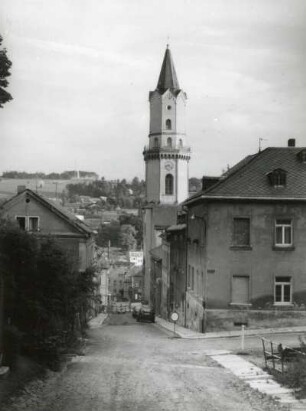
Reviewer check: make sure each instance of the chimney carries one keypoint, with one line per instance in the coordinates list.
(291, 142)
(20, 189)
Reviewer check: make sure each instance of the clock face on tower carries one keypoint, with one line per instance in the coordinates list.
(169, 165)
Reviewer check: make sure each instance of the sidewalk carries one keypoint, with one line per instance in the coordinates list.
(183, 332)
(98, 320)
(252, 375)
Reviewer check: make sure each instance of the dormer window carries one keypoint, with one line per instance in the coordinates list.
(302, 156)
(277, 178)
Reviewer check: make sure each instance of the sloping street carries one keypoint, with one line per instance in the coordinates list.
(137, 366)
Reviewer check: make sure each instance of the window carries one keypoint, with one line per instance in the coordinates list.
(21, 222)
(240, 289)
(180, 142)
(241, 232)
(155, 142)
(302, 156)
(169, 142)
(283, 232)
(28, 223)
(277, 177)
(168, 124)
(169, 184)
(33, 223)
(282, 290)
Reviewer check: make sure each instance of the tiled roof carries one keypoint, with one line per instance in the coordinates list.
(249, 178)
(167, 78)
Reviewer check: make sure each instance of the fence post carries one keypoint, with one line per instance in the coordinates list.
(272, 354)
(264, 351)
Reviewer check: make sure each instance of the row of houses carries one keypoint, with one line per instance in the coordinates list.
(239, 244)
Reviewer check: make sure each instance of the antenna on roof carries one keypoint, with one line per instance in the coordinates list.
(259, 142)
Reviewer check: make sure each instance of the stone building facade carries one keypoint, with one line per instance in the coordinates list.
(246, 237)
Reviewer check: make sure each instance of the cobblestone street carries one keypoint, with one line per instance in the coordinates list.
(136, 366)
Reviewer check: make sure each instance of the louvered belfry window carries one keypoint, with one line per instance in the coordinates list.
(241, 232)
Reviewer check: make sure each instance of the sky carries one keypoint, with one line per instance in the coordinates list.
(82, 72)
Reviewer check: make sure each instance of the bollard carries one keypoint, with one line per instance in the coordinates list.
(242, 337)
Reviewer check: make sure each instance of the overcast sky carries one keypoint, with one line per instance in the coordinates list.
(82, 71)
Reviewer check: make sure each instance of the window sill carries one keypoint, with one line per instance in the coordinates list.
(283, 248)
(240, 304)
(282, 305)
(241, 247)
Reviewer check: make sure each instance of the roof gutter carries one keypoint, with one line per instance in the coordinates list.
(240, 198)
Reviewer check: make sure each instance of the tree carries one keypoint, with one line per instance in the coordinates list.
(128, 237)
(5, 65)
(46, 301)
(136, 222)
(108, 233)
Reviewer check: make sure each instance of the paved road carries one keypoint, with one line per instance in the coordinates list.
(136, 366)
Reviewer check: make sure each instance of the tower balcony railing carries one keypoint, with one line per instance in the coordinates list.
(167, 149)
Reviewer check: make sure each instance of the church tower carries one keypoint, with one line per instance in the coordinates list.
(167, 154)
(166, 157)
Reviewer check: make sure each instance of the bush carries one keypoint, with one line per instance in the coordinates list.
(45, 300)
(294, 375)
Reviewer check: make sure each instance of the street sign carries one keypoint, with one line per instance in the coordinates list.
(174, 317)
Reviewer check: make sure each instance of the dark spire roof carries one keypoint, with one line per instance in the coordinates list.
(167, 78)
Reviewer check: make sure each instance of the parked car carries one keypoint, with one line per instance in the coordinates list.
(135, 307)
(146, 313)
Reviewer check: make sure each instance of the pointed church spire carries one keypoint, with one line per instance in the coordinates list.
(167, 78)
